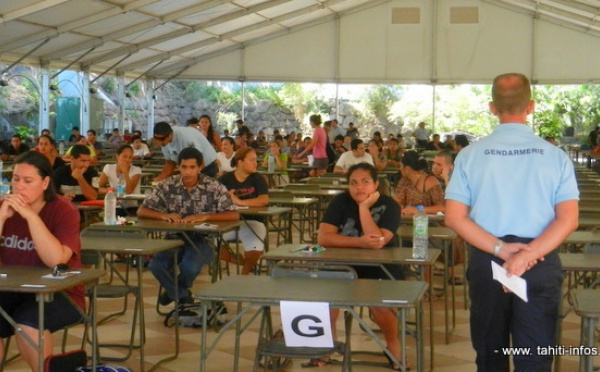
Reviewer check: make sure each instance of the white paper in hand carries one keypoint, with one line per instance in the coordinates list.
(515, 284)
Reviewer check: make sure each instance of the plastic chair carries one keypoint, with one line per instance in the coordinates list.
(273, 349)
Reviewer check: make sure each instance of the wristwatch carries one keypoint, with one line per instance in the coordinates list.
(497, 247)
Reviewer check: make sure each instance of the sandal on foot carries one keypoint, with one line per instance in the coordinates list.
(316, 363)
(394, 366)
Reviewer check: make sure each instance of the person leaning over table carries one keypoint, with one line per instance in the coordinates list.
(513, 197)
(190, 197)
(363, 218)
(47, 224)
(248, 189)
(77, 181)
(174, 139)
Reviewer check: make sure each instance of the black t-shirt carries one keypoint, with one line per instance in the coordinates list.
(252, 187)
(342, 212)
(65, 183)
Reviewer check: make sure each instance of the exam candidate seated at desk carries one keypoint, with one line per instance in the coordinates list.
(111, 174)
(38, 228)
(77, 181)
(362, 218)
(247, 189)
(190, 197)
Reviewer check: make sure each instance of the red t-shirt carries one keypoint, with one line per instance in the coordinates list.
(61, 217)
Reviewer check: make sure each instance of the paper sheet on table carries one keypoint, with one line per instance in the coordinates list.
(516, 284)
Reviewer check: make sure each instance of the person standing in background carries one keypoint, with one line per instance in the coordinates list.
(422, 135)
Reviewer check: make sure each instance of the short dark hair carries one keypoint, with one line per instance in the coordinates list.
(16, 136)
(413, 160)
(192, 121)
(190, 153)
(135, 137)
(365, 166)
(115, 130)
(162, 129)
(44, 168)
(339, 137)
(354, 143)
(138, 132)
(461, 140)
(91, 131)
(78, 150)
(315, 119)
(75, 128)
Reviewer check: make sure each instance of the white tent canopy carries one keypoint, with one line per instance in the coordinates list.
(341, 41)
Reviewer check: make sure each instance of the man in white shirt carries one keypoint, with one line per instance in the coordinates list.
(349, 158)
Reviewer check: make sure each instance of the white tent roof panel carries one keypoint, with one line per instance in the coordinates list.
(63, 13)
(566, 55)
(362, 41)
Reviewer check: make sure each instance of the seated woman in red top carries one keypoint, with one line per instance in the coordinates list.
(38, 228)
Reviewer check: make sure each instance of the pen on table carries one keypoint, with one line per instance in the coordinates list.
(299, 249)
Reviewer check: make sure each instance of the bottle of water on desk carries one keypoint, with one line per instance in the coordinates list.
(271, 168)
(420, 234)
(110, 208)
(61, 146)
(121, 187)
(4, 188)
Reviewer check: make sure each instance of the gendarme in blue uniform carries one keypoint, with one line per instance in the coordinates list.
(511, 181)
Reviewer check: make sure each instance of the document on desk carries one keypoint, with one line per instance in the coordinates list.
(515, 284)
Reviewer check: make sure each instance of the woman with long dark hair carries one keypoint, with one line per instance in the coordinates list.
(211, 135)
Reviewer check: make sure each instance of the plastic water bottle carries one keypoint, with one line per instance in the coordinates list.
(121, 187)
(1, 168)
(61, 146)
(420, 234)
(110, 208)
(271, 163)
(4, 188)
